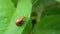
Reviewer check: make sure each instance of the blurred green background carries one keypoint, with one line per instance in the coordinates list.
(41, 16)
(46, 16)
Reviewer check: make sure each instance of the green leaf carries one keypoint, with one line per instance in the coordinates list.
(51, 11)
(48, 25)
(49, 3)
(28, 28)
(15, 2)
(39, 5)
(23, 9)
(58, 1)
(6, 12)
(36, 3)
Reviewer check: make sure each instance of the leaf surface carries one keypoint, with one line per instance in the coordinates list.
(23, 9)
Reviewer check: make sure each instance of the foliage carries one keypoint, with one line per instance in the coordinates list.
(41, 16)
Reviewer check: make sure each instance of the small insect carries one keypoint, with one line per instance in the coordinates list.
(19, 21)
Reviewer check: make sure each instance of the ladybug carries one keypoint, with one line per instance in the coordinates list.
(19, 21)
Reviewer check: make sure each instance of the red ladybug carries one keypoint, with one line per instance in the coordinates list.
(19, 21)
